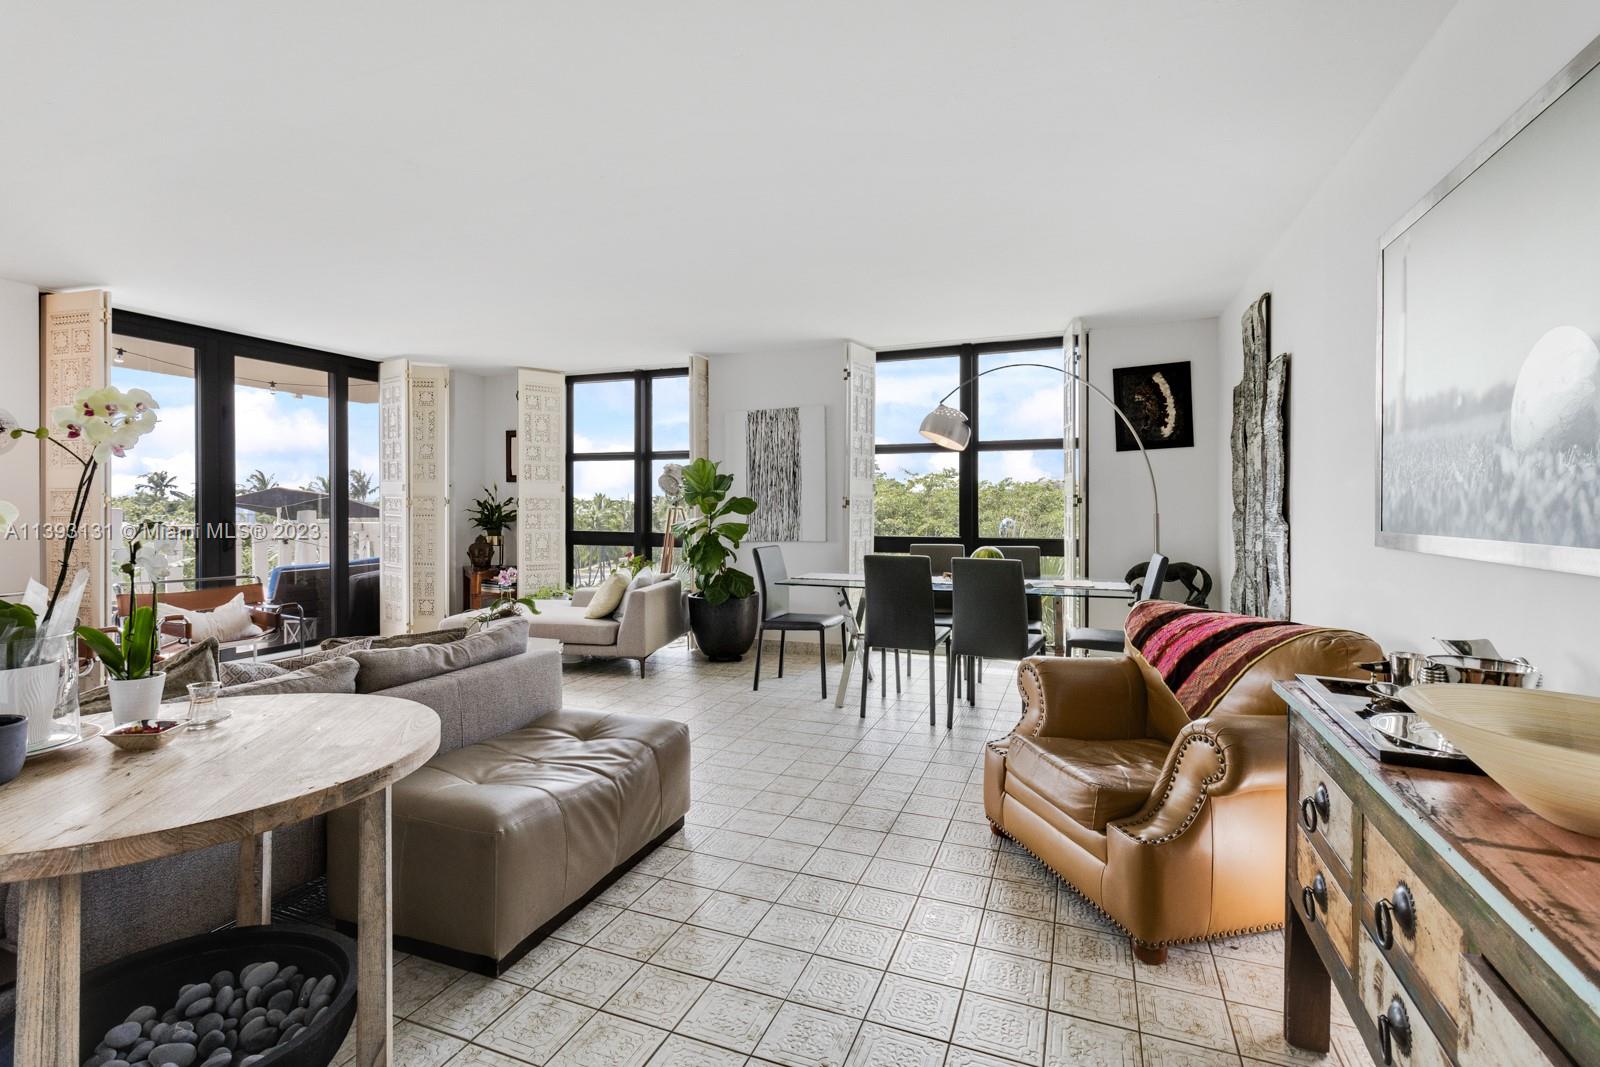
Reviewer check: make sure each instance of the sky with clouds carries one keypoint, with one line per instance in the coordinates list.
(284, 436)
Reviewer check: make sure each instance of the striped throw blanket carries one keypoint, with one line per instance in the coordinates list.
(1201, 653)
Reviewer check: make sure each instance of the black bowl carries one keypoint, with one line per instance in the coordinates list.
(154, 976)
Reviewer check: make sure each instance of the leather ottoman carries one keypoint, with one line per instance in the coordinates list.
(497, 843)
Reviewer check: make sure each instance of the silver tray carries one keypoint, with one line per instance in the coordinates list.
(1386, 729)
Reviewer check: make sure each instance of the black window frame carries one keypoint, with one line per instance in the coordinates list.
(966, 398)
(214, 504)
(644, 455)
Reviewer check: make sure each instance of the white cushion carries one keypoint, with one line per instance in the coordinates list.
(227, 622)
(607, 597)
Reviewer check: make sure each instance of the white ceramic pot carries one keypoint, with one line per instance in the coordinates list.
(32, 691)
(136, 698)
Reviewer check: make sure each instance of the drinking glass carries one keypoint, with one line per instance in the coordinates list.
(205, 705)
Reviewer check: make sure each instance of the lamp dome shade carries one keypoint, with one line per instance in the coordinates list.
(946, 427)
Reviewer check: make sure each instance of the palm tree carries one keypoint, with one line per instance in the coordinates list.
(158, 484)
(321, 485)
(258, 481)
(362, 486)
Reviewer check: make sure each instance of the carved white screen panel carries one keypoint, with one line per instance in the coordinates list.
(414, 495)
(394, 586)
(541, 480)
(699, 407)
(75, 335)
(861, 368)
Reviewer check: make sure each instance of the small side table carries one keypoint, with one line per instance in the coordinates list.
(478, 590)
(279, 760)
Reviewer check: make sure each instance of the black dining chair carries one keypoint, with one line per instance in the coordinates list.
(939, 554)
(1032, 562)
(990, 621)
(1104, 639)
(775, 614)
(900, 617)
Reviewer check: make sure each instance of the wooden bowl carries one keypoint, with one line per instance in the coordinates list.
(1542, 747)
(144, 735)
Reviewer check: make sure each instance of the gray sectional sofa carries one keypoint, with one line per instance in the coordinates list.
(517, 781)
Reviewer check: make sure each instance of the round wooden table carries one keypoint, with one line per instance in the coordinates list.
(279, 760)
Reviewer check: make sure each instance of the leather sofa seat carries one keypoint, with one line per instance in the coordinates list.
(1093, 782)
(493, 841)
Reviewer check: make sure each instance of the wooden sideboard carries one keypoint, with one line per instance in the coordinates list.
(1458, 926)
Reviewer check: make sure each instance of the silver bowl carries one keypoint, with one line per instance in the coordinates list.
(1481, 670)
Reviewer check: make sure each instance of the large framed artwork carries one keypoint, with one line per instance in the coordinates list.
(1488, 368)
(779, 456)
(1159, 401)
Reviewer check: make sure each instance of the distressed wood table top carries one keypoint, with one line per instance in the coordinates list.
(279, 760)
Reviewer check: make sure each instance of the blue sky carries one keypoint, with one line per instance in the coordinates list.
(1021, 403)
(602, 421)
(277, 433)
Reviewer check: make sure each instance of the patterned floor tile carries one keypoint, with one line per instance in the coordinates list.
(932, 959)
(469, 1005)
(794, 928)
(535, 1028)
(925, 1008)
(836, 986)
(657, 996)
(1259, 1032)
(1186, 1017)
(879, 1046)
(1164, 1052)
(680, 1051)
(1093, 951)
(1014, 1031)
(769, 969)
(1190, 970)
(417, 981)
(728, 1017)
(610, 1041)
(634, 934)
(1071, 1042)
(543, 958)
(802, 1036)
(1103, 998)
(1000, 974)
(696, 950)
(671, 900)
(952, 922)
(589, 977)
(859, 942)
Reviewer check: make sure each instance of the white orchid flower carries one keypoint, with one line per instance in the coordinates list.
(141, 401)
(99, 402)
(8, 516)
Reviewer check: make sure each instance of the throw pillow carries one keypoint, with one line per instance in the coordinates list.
(329, 676)
(643, 580)
(240, 671)
(196, 663)
(426, 637)
(385, 668)
(226, 622)
(607, 597)
(326, 652)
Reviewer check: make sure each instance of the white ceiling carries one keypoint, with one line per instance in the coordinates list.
(578, 185)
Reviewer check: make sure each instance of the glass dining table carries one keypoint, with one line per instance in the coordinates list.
(843, 583)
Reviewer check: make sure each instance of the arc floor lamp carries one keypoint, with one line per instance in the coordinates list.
(948, 427)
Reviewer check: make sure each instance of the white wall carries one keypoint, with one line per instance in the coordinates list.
(790, 378)
(19, 467)
(1487, 58)
(1120, 529)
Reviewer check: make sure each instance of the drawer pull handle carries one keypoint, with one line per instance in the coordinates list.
(1400, 907)
(1315, 808)
(1394, 1030)
(1313, 895)
(1383, 923)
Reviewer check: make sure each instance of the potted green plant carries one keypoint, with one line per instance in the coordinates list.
(723, 607)
(132, 681)
(493, 514)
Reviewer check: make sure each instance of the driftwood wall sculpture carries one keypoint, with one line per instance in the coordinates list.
(1260, 447)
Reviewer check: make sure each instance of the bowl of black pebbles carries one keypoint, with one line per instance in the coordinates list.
(254, 996)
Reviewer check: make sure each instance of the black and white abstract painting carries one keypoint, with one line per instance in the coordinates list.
(1158, 400)
(1489, 404)
(778, 456)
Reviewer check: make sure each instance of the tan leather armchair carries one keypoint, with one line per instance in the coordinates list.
(1173, 828)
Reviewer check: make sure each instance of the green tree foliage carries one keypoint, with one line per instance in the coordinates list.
(362, 487)
(927, 505)
(158, 484)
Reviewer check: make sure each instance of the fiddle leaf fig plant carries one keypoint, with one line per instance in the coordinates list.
(711, 538)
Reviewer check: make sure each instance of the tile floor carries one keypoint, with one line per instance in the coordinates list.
(836, 898)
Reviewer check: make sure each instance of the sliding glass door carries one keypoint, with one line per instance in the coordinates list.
(266, 454)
